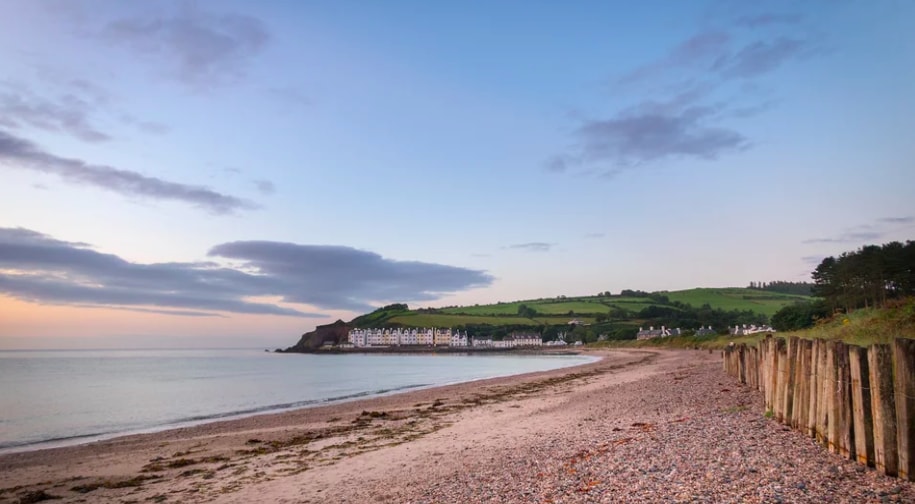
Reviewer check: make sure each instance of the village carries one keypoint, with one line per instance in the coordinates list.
(435, 337)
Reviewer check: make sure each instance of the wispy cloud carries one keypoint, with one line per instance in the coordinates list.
(848, 237)
(648, 133)
(178, 313)
(16, 152)
(201, 49)
(69, 113)
(342, 277)
(264, 187)
(768, 19)
(532, 246)
(699, 50)
(702, 83)
(813, 260)
(39, 268)
(150, 127)
(866, 232)
(759, 58)
(897, 220)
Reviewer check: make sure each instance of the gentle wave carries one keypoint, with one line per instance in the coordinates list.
(199, 419)
(62, 398)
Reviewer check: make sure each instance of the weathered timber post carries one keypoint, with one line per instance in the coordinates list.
(772, 374)
(814, 391)
(799, 380)
(832, 396)
(861, 405)
(883, 407)
(823, 394)
(790, 379)
(754, 366)
(845, 442)
(781, 379)
(904, 357)
(741, 363)
(802, 386)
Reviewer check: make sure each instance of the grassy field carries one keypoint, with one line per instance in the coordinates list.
(579, 306)
(736, 299)
(448, 320)
(861, 327)
(723, 298)
(555, 311)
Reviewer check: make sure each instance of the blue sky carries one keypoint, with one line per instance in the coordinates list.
(234, 173)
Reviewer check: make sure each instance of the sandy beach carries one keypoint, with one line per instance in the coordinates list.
(637, 426)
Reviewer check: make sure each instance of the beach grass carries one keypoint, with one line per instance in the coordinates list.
(861, 327)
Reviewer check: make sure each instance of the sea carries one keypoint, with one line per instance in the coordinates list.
(54, 398)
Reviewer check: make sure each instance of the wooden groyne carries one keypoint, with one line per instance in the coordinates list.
(858, 402)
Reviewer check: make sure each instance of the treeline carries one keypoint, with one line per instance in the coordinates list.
(688, 317)
(867, 277)
(782, 287)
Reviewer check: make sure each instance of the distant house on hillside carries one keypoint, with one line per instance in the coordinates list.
(652, 333)
(705, 331)
(753, 329)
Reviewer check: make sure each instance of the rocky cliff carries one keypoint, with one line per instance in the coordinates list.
(331, 333)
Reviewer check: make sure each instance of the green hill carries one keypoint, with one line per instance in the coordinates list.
(735, 298)
(614, 316)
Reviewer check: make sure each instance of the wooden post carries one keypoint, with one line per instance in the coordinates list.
(789, 374)
(781, 379)
(772, 378)
(883, 407)
(845, 442)
(861, 404)
(822, 394)
(832, 393)
(904, 357)
(741, 363)
(814, 391)
(801, 386)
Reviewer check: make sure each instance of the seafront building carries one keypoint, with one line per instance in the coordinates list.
(375, 337)
(360, 338)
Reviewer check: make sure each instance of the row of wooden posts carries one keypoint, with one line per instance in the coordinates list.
(857, 401)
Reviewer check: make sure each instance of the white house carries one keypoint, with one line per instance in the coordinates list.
(481, 342)
(526, 339)
(458, 339)
(652, 333)
(753, 329)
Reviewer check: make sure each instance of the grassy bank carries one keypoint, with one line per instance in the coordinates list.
(860, 327)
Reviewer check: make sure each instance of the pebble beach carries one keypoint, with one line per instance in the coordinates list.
(637, 426)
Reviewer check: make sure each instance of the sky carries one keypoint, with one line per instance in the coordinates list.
(232, 174)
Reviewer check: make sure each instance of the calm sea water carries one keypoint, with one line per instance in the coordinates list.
(51, 398)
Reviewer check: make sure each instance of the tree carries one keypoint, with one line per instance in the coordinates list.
(799, 315)
(866, 277)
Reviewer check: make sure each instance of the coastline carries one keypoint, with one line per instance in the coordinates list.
(571, 359)
(639, 425)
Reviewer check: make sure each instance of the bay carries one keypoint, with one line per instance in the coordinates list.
(53, 398)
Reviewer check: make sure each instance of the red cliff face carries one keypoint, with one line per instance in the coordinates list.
(335, 333)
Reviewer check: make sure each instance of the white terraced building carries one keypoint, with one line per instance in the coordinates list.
(406, 337)
(515, 340)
